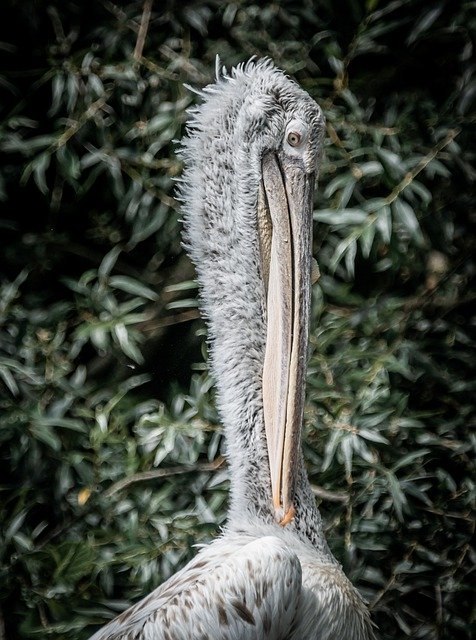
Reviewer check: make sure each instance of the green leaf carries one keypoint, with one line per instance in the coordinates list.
(336, 65)
(129, 285)
(409, 458)
(186, 285)
(348, 244)
(339, 182)
(405, 215)
(57, 87)
(109, 261)
(46, 434)
(75, 560)
(384, 223)
(366, 238)
(69, 163)
(426, 20)
(15, 523)
(399, 500)
(188, 303)
(347, 448)
(421, 191)
(128, 347)
(39, 166)
(370, 169)
(373, 436)
(350, 258)
(9, 380)
(65, 423)
(340, 217)
(392, 162)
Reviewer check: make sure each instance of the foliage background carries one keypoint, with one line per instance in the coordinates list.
(110, 442)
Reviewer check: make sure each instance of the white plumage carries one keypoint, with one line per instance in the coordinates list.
(262, 579)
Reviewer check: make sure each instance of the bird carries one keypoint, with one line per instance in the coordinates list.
(251, 151)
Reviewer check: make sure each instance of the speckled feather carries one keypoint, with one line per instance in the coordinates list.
(258, 580)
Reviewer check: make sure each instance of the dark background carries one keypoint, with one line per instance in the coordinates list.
(102, 352)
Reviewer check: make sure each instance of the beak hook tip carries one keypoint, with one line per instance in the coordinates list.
(288, 517)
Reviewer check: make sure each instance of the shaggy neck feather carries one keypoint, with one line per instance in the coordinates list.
(219, 193)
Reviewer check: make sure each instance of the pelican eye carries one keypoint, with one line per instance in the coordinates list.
(294, 138)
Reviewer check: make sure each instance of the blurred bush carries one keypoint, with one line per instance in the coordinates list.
(110, 440)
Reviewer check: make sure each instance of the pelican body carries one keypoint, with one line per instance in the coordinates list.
(251, 155)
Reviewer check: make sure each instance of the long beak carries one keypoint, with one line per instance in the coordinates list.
(284, 223)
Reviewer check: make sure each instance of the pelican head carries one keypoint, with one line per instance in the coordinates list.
(252, 155)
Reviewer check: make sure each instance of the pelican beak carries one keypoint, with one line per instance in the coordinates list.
(284, 226)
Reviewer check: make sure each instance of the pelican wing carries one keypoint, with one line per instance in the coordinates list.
(238, 588)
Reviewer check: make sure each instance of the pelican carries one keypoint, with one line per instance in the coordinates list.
(251, 153)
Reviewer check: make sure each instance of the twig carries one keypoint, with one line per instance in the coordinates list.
(393, 578)
(135, 175)
(119, 14)
(184, 316)
(76, 125)
(144, 26)
(411, 175)
(163, 473)
(121, 484)
(194, 74)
